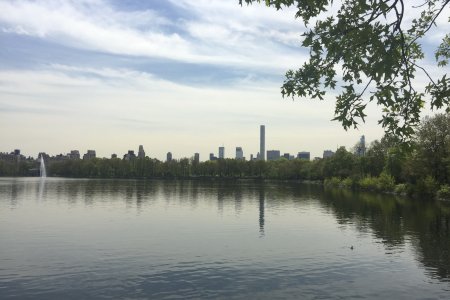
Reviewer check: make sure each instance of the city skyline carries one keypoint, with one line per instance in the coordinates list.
(238, 154)
(182, 76)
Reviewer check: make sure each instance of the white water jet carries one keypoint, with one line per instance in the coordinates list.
(43, 172)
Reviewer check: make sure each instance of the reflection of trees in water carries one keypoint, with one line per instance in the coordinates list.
(394, 220)
(391, 219)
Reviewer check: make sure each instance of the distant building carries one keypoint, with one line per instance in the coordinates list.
(169, 156)
(262, 142)
(327, 153)
(13, 156)
(130, 155)
(304, 155)
(273, 154)
(361, 146)
(251, 157)
(113, 156)
(287, 156)
(141, 152)
(43, 155)
(239, 153)
(212, 157)
(89, 154)
(197, 157)
(59, 157)
(74, 154)
(221, 152)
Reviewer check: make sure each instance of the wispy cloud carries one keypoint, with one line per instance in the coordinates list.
(98, 26)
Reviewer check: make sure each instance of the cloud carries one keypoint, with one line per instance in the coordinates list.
(98, 26)
(111, 109)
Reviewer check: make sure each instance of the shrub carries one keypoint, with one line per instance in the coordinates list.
(332, 182)
(385, 182)
(401, 189)
(347, 183)
(444, 192)
(368, 183)
(425, 187)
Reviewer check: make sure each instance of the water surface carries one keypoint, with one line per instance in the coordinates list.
(97, 239)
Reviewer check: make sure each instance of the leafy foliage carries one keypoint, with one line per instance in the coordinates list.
(367, 45)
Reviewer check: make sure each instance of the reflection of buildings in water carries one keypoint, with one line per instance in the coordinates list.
(261, 211)
(220, 199)
(14, 193)
(238, 201)
(140, 191)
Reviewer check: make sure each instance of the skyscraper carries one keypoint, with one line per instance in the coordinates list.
(221, 152)
(239, 153)
(304, 155)
(169, 156)
(262, 142)
(197, 157)
(273, 154)
(141, 153)
(361, 146)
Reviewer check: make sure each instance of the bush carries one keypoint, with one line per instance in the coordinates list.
(368, 183)
(347, 183)
(425, 187)
(401, 189)
(444, 192)
(332, 182)
(385, 182)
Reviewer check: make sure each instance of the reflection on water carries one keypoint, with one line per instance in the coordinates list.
(64, 238)
(261, 210)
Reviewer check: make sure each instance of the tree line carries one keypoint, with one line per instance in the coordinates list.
(421, 167)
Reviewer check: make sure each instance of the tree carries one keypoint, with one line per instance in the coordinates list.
(433, 140)
(367, 48)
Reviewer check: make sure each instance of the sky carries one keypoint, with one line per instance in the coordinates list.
(183, 76)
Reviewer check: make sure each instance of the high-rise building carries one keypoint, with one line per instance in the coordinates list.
(221, 152)
(74, 154)
(169, 156)
(273, 154)
(130, 155)
(262, 142)
(361, 146)
(89, 154)
(141, 152)
(197, 157)
(304, 155)
(287, 156)
(239, 153)
(327, 153)
(212, 157)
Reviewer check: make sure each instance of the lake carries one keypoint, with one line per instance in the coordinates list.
(135, 239)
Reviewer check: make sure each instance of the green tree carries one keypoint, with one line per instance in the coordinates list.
(341, 164)
(433, 143)
(366, 48)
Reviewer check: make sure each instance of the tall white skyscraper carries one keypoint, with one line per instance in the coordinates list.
(262, 142)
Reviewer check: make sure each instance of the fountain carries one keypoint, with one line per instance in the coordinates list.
(43, 172)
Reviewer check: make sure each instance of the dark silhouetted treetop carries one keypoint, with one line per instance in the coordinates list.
(369, 53)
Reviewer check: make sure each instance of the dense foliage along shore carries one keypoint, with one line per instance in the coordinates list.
(421, 167)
